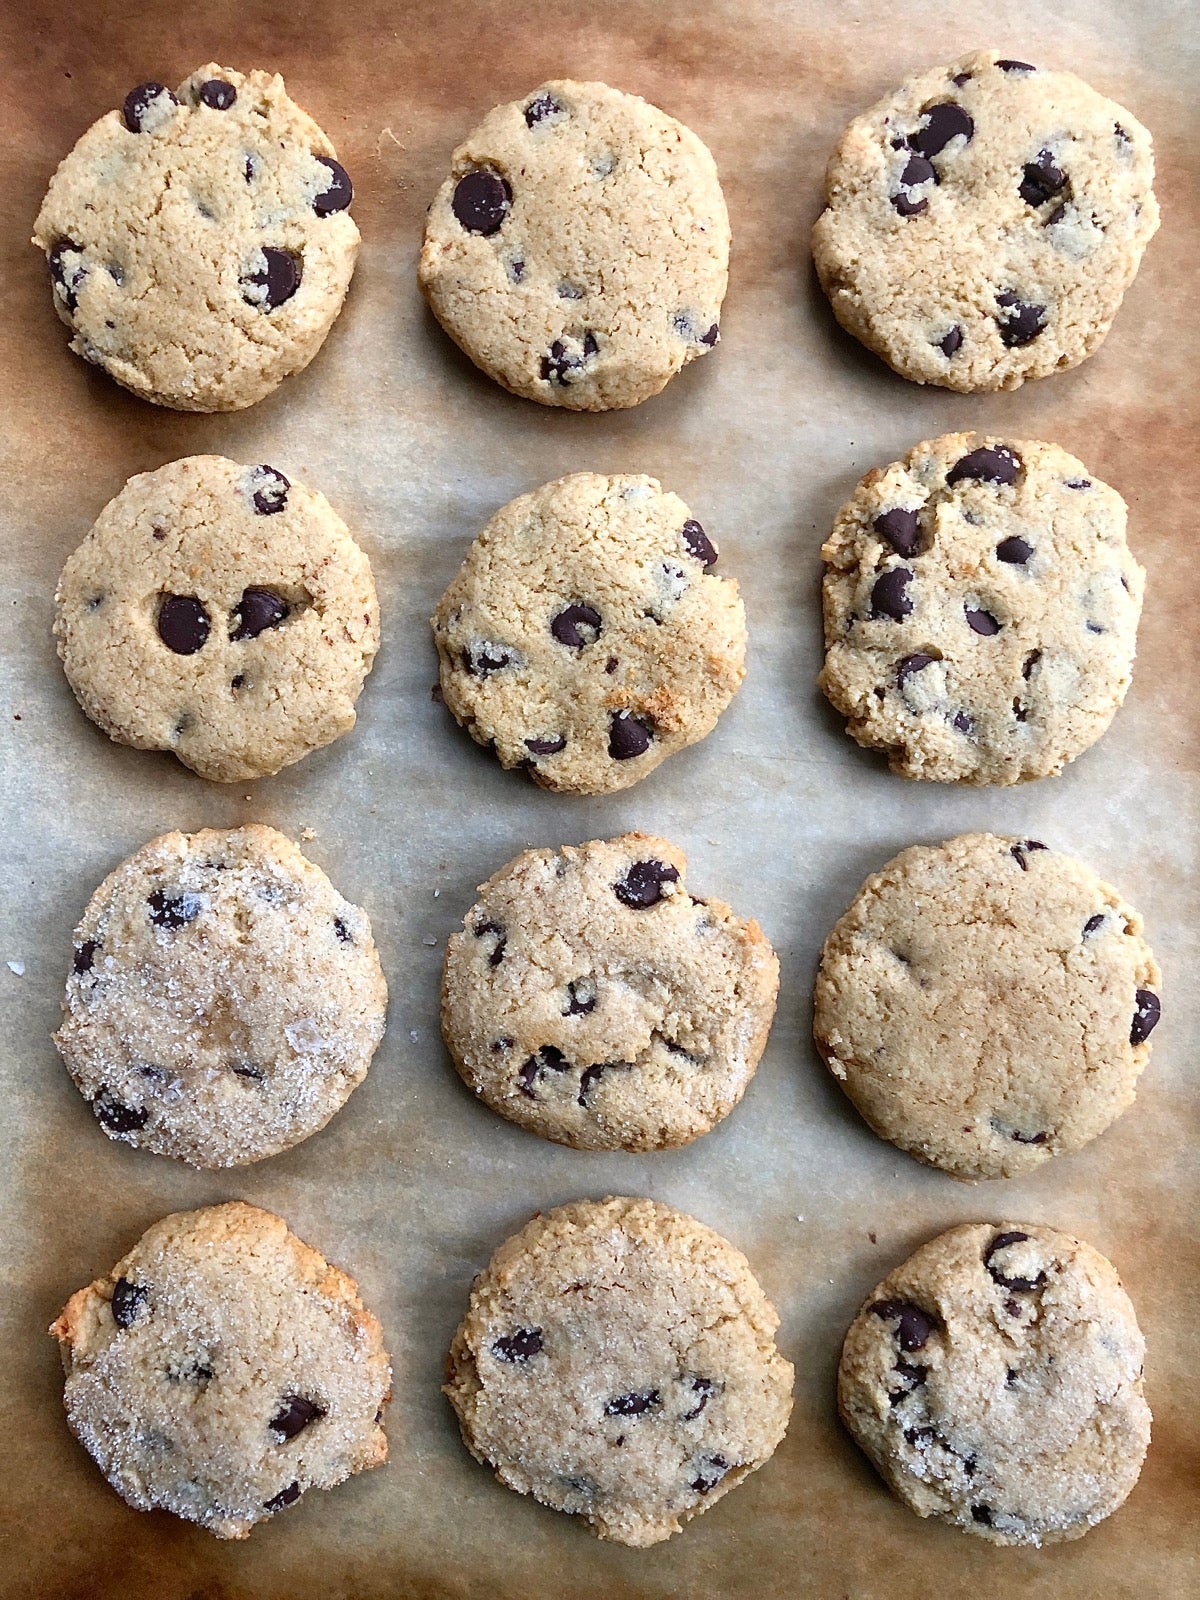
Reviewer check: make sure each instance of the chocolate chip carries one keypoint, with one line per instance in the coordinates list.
(914, 1376)
(581, 998)
(1016, 552)
(1029, 1138)
(628, 736)
(913, 1326)
(1093, 923)
(560, 364)
(482, 659)
(173, 910)
(1079, 483)
(1042, 180)
(339, 193)
(117, 1117)
(920, 1436)
(1020, 322)
(342, 931)
(182, 623)
(139, 101)
(911, 664)
(278, 279)
(268, 490)
(981, 621)
(907, 207)
(294, 1415)
(900, 528)
(1002, 1242)
(1094, 627)
(67, 278)
(642, 885)
(497, 954)
(698, 543)
(610, 666)
(255, 612)
(247, 1069)
(1026, 847)
(285, 1497)
(982, 1513)
(942, 123)
(961, 723)
(85, 954)
(1145, 1017)
(712, 1470)
(520, 1346)
(217, 94)
(1015, 66)
(988, 464)
(712, 337)
(916, 172)
(482, 200)
(548, 1059)
(588, 1079)
(127, 1301)
(539, 108)
(546, 747)
(1031, 661)
(576, 626)
(889, 597)
(704, 1388)
(952, 341)
(633, 1405)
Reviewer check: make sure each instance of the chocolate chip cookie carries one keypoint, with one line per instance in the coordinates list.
(995, 1381)
(981, 609)
(987, 1004)
(222, 1368)
(223, 1001)
(199, 243)
(579, 249)
(220, 612)
(586, 637)
(618, 1361)
(593, 999)
(983, 222)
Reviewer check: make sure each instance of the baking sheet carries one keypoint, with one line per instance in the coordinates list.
(414, 1184)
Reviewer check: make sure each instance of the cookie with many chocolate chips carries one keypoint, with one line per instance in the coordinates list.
(199, 243)
(995, 1381)
(223, 1001)
(981, 610)
(579, 249)
(617, 1361)
(586, 637)
(983, 222)
(987, 1004)
(222, 1368)
(222, 613)
(592, 999)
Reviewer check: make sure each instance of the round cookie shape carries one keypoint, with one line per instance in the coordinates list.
(981, 610)
(995, 1382)
(585, 637)
(579, 250)
(222, 1368)
(987, 1003)
(199, 243)
(221, 612)
(223, 1001)
(617, 1361)
(983, 222)
(591, 998)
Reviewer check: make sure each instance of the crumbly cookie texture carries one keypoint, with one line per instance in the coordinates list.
(981, 610)
(591, 998)
(224, 1000)
(995, 1381)
(222, 1368)
(982, 223)
(221, 612)
(618, 1361)
(586, 637)
(579, 249)
(199, 243)
(987, 1004)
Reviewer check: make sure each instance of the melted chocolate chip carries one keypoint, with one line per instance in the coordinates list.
(698, 543)
(139, 101)
(1002, 1242)
(988, 464)
(520, 1346)
(889, 597)
(951, 341)
(911, 664)
(482, 659)
(546, 747)
(900, 528)
(539, 108)
(628, 736)
(482, 200)
(561, 365)
(85, 954)
(1026, 847)
(1041, 180)
(942, 123)
(642, 885)
(285, 1497)
(182, 623)
(588, 1078)
(633, 1405)
(275, 282)
(576, 626)
(255, 612)
(295, 1413)
(116, 1116)
(339, 192)
(548, 1059)
(704, 1388)
(217, 94)
(269, 490)
(1145, 1017)
(173, 910)
(1020, 320)
(581, 998)
(981, 621)
(1016, 552)
(913, 1326)
(127, 1301)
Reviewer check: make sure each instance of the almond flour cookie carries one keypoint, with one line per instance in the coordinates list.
(983, 222)
(199, 243)
(222, 1368)
(593, 1000)
(995, 1381)
(981, 610)
(224, 1000)
(986, 1003)
(586, 637)
(579, 249)
(222, 613)
(618, 1361)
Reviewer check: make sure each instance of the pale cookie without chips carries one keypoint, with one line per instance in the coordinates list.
(981, 610)
(586, 637)
(618, 1361)
(983, 222)
(995, 1381)
(199, 243)
(987, 1003)
(222, 613)
(594, 1000)
(222, 1368)
(224, 1000)
(579, 250)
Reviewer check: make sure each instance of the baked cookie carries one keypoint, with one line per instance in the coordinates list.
(617, 1361)
(592, 999)
(981, 610)
(224, 1000)
(986, 1003)
(222, 1368)
(222, 613)
(579, 249)
(199, 243)
(586, 637)
(983, 222)
(995, 1381)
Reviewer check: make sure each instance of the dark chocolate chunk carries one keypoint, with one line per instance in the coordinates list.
(546, 747)
(139, 101)
(951, 341)
(217, 94)
(913, 1326)
(255, 612)
(339, 191)
(698, 543)
(1015, 551)
(295, 1413)
(981, 621)
(1093, 923)
(285, 1497)
(482, 200)
(182, 623)
(520, 1346)
(916, 172)
(712, 337)
(889, 597)
(642, 885)
(942, 123)
(907, 207)
(1145, 1017)
(116, 1116)
(633, 1405)
(1002, 1242)
(628, 736)
(982, 1513)
(588, 1078)
(85, 954)
(989, 464)
(548, 1059)
(577, 625)
(1020, 320)
(911, 664)
(1041, 180)
(174, 910)
(127, 1302)
(900, 528)
(278, 279)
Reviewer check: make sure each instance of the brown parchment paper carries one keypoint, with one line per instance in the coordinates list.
(413, 1185)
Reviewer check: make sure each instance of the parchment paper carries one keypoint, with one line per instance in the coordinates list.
(414, 1184)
